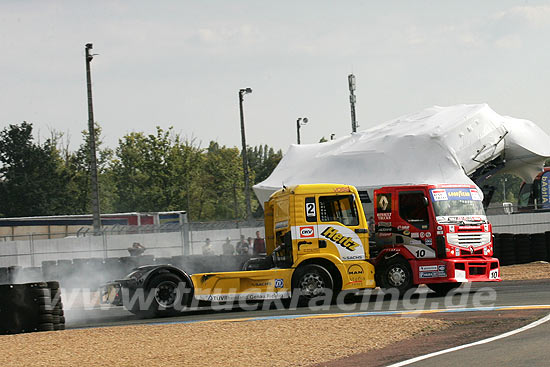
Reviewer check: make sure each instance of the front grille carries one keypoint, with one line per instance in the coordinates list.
(466, 240)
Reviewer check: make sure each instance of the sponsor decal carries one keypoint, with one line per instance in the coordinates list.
(455, 194)
(242, 296)
(346, 242)
(383, 234)
(415, 235)
(342, 189)
(493, 274)
(432, 271)
(355, 270)
(439, 232)
(422, 234)
(439, 194)
(279, 283)
(475, 195)
(439, 228)
(356, 273)
(403, 228)
(307, 232)
(428, 234)
(383, 216)
(310, 209)
(545, 193)
(384, 224)
(451, 228)
(384, 229)
(406, 233)
(433, 274)
(486, 227)
(353, 257)
(261, 284)
(429, 241)
(384, 201)
(427, 268)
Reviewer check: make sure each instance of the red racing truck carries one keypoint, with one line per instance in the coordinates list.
(436, 235)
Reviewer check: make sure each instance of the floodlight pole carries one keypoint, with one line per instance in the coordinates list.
(93, 160)
(242, 92)
(352, 99)
(301, 121)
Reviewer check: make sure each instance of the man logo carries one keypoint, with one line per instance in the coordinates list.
(307, 232)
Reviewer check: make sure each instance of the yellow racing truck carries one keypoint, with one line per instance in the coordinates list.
(317, 244)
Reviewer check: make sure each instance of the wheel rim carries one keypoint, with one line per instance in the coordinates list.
(397, 276)
(166, 293)
(312, 285)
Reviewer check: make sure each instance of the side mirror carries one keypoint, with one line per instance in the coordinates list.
(426, 202)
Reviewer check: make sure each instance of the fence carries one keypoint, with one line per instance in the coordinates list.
(159, 241)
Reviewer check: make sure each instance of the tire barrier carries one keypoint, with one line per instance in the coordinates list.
(31, 307)
(4, 275)
(506, 247)
(522, 248)
(538, 247)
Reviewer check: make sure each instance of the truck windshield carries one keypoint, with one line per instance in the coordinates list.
(457, 202)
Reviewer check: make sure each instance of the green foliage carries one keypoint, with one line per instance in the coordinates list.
(145, 173)
(33, 179)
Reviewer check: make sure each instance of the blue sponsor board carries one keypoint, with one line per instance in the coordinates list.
(545, 195)
(455, 194)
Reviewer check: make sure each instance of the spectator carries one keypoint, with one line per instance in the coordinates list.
(207, 248)
(259, 245)
(242, 246)
(136, 249)
(370, 223)
(228, 247)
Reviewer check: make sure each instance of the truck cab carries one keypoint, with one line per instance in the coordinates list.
(436, 235)
(316, 237)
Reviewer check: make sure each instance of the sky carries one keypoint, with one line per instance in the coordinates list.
(182, 63)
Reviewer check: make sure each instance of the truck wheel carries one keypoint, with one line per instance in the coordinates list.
(166, 295)
(397, 274)
(312, 281)
(441, 289)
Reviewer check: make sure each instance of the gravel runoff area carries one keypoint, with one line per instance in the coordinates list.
(531, 271)
(299, 342)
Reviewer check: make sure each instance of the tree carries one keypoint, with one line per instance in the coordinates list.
(33, 179)
(262, 161)
(79, 163)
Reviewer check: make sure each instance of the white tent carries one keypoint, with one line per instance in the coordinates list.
(436, 145)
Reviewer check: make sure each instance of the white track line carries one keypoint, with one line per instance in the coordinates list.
(484, 341)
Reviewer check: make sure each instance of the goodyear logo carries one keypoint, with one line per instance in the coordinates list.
(346, 242)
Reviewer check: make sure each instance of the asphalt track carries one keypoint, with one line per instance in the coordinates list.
(471, 297)
(526, 348)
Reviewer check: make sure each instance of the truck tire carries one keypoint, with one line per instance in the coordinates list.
(167, 297)
(396, 273)
(312, 281)
(441, 289)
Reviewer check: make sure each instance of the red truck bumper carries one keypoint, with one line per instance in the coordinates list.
(473, 269)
